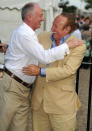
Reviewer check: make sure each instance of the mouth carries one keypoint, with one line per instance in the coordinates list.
(54, 32)
(39, 24)
(55, 35)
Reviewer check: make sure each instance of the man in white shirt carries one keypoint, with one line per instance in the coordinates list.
(24, 49)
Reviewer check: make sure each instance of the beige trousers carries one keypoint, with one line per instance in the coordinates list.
(14, 105)
(43, 121)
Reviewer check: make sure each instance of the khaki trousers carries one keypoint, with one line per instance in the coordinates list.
(14, 105)
(43, 121)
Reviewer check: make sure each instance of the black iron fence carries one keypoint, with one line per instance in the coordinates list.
(89, 91)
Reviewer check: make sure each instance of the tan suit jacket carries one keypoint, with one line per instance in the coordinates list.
(57, 89)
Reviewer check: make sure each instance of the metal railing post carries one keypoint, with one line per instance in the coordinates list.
(77, 80)
(89, 98)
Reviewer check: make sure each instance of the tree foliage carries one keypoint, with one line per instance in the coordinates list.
(66, 8)
(89, 4)
(70, 9)
(88, 1)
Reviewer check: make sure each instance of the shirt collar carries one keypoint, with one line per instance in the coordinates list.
(28, 28)
(62, 39)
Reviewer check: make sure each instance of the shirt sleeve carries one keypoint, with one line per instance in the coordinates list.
(43, 72)
(31, 46)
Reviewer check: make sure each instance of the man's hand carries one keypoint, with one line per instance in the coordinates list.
(1, 74)
(3, 47)
(74, 42)
(32, 70)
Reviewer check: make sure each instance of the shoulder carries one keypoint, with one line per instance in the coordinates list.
(44, 39)
(80, 49)
(44, 34)
(77, 33)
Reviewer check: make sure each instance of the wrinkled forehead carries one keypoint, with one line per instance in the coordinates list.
(60, 20)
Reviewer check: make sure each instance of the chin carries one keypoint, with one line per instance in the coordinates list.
(39, 26)
(55, 37)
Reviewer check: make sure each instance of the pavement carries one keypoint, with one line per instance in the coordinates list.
(84, 78)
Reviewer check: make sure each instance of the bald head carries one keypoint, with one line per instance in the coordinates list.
(28, 8)
(32, 15)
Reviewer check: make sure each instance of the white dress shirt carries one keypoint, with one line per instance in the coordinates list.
(24, 49)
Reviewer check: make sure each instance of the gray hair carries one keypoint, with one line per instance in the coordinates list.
(28, 8)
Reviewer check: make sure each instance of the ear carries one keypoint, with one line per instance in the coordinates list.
(29, 17)
(68, 29)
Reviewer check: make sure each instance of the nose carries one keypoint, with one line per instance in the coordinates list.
(42, 18)
(52, 29)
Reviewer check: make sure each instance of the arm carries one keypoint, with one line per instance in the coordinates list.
(57, 73)
(32, 47)
(69, 68)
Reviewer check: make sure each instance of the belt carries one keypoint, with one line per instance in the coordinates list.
(17, 78)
